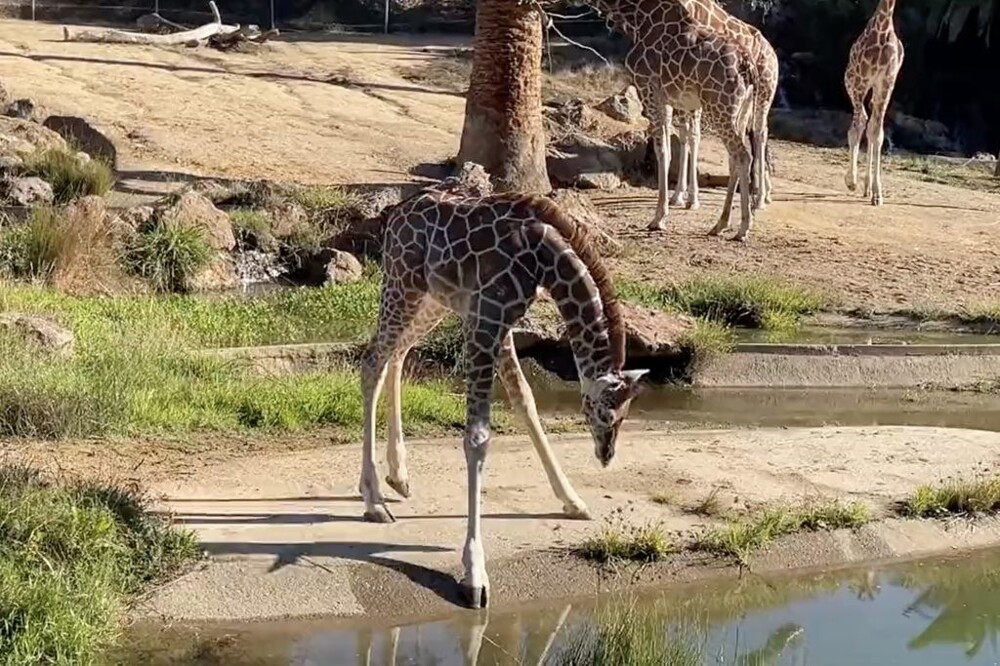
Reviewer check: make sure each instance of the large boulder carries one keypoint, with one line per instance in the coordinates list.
(582, 161)
(24, 109)
(21, 138)
(85, 137)
(343, 268)
(654, 332)
(922, 136)
(219, 275)
(624, 106)
(195, 210)
(26, 192)
(48, 335)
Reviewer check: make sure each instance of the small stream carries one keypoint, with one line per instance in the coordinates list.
(932, 613)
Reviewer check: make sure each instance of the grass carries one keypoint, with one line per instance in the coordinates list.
(982, 313)
(619, 541)
(662, 498)
(625, 635)
(708, 507)
(954, 497)
(32, 251)
(741, 537)
(136, 370)
(168, 257)
(967, 175)
(753, 301)
(72, 558)
(69, 177)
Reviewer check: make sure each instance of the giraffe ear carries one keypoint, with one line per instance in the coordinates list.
(632, 378)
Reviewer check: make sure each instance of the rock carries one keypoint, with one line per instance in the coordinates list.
(631, 149)
(654, 332)
(817, 127)
(24, 109)
(922, 136)
(27, 192)
(624, 106)
(471, 179)
(195, 210)
(21, 138)
(4, 95)
(288, 220)
(137, 218)
(47, 334)
(219, 275)
(91, 207)
(83, 158)
(343, 268)
(567, 118)
(582, 161)
(9, 165)
(371, 203)
(85, 137)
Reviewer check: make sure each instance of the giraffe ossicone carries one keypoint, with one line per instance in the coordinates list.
(485, 258)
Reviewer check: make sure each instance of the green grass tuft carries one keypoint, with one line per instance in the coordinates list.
(69, 178)
(741, 537)
(72, 557)
(954, 497)
(169, 257)
(618, 541)
(322, 198)
(33, 250)
(621, 635)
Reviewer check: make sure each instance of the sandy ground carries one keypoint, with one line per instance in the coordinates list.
(350, 109)
(286, 537)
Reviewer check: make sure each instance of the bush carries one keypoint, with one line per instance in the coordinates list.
(33, 250)
(169, 256)
(69, 177)
(72, 557)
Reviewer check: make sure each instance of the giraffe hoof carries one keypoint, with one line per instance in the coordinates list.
(692, 205)
(475, 597)
(876, 201)
(738, 238)
(380, 514)
(656, 226)
(401, 486)
(715, 231)
(577, 511)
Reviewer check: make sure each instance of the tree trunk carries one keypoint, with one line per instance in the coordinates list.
(503, 111)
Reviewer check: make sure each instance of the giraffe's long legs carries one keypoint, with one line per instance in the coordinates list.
(523, 402)
(397, 310)
(737, 144)
(762, 179)
(876, 136)
(694, 138)
(858, 123)
(684, 138)
(427, 317)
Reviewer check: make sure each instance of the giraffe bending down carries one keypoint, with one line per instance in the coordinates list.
(485, 259)
(679, 62)
(874, 63)
(688, 124)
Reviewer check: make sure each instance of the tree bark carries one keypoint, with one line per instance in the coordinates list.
(503, 111)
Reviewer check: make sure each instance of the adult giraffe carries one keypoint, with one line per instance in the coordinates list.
(485, 258)
(680, 62)
(873, 65)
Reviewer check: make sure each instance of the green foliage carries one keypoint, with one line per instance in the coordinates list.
(33, 250)
(169, 256)
(69, 177)
(72, 556)
(954, 497)
(620, 541)
(741, 537)
(322, 198)
(622, 635)
(137, 367)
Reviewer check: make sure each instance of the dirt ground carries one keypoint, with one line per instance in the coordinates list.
(349, 109)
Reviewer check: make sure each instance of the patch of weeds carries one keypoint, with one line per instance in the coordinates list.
(620, 541)
(322, 198)
(70, 178)
(954, 497)
(250, 221)
(662, 498)
(72, 558)
(741, 537)
(708, 507)
(169, 257)
(753, 302)
(33, 250)
(627, 635)
(967, 175)
(982, 313)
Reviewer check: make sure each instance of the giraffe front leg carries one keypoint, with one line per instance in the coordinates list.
(683, 136)
(662, 144)
(858, 123)
(876, 136)
(398, 477)
(475, 582)
(727, 205)
(373, 368)
(694, 139)
(742, 164)
(523, 403)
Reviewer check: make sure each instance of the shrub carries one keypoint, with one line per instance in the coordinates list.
(70, 178)
(33, 250)
(169, 256)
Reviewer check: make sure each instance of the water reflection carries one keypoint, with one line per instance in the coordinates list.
(932, 613)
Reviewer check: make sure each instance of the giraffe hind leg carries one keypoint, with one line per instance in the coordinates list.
(523, 403)
(859, 121)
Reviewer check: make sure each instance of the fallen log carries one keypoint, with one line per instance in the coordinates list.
(233, 40)
(112, 36)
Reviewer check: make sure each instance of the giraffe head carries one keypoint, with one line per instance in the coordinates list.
(605, 404)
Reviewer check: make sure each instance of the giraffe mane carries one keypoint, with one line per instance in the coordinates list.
(579, 240)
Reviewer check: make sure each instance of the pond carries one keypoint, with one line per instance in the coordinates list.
(919, 614)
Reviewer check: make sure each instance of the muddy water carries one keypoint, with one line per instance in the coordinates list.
(920, 614)
(789, 407)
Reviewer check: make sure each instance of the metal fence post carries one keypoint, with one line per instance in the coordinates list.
(156, 7)
(272, 15)
(386, 26)
(32, 10)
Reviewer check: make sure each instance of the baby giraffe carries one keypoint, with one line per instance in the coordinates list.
(485, 258)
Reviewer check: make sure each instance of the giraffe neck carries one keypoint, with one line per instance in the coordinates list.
(579, 302)
(885, 10)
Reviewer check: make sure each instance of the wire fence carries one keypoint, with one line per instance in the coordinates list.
(394, 16)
